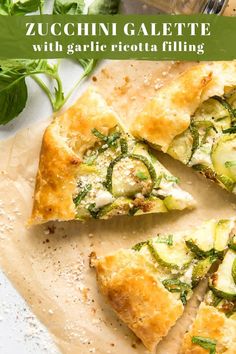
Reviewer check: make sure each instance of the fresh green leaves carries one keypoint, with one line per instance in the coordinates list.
(19, 7)
(13, 90)
(69, 7)
(13, 96)
(206, 343)
(104, 7)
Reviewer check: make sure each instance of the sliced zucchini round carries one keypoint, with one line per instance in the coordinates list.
(222, 282)
(130, 177)
(222, 234)
(181, 147)
(201, 241)
(232, 243)
(224, 156)
(201, 269)
(215, 109)
(231, 98)
(234, 271)
(175, 256)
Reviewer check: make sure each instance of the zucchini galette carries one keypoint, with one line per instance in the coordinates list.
(193, 119)
(90, 167)
(149, 285)
(214, 329)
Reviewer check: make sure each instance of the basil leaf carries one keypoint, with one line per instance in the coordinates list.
(69, 7)
(206, 343)
(20, 7)
(4, 6)
(104, 7)
(13, 96)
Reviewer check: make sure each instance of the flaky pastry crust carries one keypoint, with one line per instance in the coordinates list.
(139, 299)
(168, 113)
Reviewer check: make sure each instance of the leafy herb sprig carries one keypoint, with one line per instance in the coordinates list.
(13, 87)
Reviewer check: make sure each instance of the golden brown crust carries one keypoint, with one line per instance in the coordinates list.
(64, 143)
(138, 298)
(212, 324)
(168, 113)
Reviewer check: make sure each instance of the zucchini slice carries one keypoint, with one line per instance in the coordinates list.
(231, 99)
(215, 110)
(224, 156)
(181, 147)
(173, 255)
(232, 243)
(201, 241)
(222, 234)
(222, 282)
(234, 271)
(201, 269)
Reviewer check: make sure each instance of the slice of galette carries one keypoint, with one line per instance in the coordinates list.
(214, 329)
(193, 119)
(148, 285)
(90, 167)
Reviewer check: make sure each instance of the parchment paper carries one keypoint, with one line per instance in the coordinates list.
(49, 264)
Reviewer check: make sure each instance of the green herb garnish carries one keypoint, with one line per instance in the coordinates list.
(177, 286)
(77, 200)
(165, 239)
(143, 159)
(206, 343)
(93, 210)
(142, 176)
(139, 245)
(229, 164)
(231, 130)
(171, 178)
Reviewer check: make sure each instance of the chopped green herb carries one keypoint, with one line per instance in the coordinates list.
(230, 164)
(231, 130)
(133, 210)
(123, 146)
(143, 159)
(77, 200)
(177, 286)
(165, 239)
(90, 159)
(109, 140)
(170, 178)
(93, 210)
(141, 175)
(99, 135)
(139, 245)
(206, 343)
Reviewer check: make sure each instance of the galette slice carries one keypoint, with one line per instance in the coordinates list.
(90, 167)
(148, 285)
(214, 329)
(193, 119)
